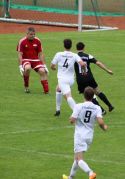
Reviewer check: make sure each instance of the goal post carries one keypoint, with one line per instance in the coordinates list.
(81, 14)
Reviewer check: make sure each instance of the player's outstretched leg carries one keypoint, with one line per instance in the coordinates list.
(111, 108)
(94, 100)
(103, 97)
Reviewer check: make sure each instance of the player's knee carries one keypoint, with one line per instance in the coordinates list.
(27, 68)
(42, 72)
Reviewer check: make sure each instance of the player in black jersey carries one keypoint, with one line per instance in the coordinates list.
(88, 79)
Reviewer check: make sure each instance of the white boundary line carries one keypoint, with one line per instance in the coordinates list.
(116, 125)
(38, 130)
(68, 156)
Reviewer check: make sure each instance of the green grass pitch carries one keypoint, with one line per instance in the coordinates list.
(36, 145)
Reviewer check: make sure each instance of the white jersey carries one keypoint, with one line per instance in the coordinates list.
(86, 114)
(65, 61)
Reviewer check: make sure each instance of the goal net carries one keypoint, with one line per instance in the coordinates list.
(70, 13)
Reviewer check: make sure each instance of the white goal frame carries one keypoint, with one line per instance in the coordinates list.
(80, 25)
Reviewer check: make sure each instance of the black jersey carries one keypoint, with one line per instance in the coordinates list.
(88, 79)
(88, 59)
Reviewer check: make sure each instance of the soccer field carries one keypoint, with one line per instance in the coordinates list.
(36, 145)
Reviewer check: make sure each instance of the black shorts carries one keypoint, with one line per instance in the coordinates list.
(83, 83)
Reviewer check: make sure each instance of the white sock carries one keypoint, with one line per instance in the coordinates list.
(71, 102)
(73, 169)
(84, 166)
(58, 100)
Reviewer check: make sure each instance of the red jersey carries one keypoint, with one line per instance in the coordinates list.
(29, 48)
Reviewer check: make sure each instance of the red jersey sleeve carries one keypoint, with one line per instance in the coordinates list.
(20, 46)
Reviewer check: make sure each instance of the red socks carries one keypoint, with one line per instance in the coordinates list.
(43, 82)
(45, 86)
(26, 81)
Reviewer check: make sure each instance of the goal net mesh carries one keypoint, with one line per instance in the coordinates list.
(60, 12)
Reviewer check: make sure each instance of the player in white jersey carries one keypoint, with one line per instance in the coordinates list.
(65, 61)
(84, 116)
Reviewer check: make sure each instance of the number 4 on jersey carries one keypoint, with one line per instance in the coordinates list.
(65, 64)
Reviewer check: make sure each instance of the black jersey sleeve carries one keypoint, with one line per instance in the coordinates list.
(92, 59)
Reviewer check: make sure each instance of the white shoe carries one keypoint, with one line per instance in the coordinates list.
(27, 90)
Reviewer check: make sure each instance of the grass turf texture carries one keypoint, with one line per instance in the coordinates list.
(36, 145)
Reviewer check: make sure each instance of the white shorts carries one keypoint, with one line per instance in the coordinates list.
(81, 144)
(65, 85)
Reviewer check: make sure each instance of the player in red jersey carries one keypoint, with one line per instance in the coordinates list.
(31, 57)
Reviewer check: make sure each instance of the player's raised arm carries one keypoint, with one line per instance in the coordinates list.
(101, 65)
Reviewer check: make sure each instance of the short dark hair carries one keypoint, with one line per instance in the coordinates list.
(88, 93)
(67, 43)
(31, 29)
(80, 46)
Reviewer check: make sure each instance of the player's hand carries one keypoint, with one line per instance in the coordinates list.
(105, 127)
(21, 70)
(84, 73)
(46, 69)
(72, 120)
